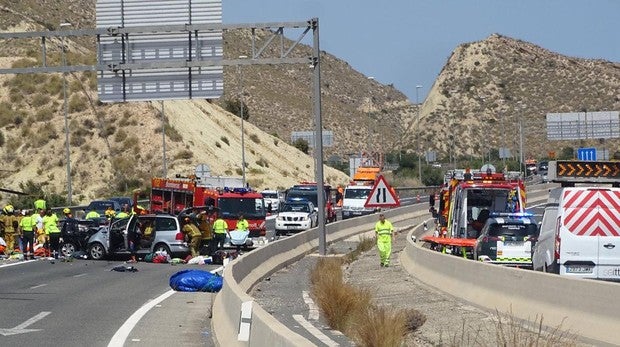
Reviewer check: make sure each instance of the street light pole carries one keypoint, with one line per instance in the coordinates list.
(368, 145)
(163, 136)
(241, 115)
(418, 131)
(64, 93)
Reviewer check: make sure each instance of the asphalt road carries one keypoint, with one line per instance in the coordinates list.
(75, 303)
(81, 302)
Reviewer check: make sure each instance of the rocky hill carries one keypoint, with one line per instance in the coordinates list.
(483, 91)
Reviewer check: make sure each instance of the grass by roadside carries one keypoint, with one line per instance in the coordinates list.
(354, 312)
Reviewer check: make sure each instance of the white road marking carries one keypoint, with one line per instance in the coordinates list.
(79, 275)
(119, 338)
(313, 310)
(38, 286)
(314, 331)
(19, 262)
(21, 329)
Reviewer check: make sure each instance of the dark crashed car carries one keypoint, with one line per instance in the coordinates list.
(507, 239)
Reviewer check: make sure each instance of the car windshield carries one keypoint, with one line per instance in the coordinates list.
(251, 208)
(296, 208)
(310, 195)
(517, 230)
(270, 195)
(353, 193)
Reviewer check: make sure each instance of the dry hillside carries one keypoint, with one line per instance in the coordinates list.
(475, 104)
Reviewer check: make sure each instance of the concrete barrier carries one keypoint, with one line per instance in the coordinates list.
(585, 307)
(246, 271)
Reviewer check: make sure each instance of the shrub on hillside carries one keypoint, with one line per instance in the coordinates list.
(254, 138)
(184, 154)
(234, 106)
(301, 145)
(77, 104)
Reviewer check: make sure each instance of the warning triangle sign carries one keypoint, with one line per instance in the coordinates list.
(382, 195)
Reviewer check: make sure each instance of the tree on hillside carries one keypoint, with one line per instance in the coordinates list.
(234, 106)
(567, 153)
(35, 191)
(302, 145)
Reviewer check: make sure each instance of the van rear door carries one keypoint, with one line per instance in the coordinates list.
(608, 221)
(590, 234)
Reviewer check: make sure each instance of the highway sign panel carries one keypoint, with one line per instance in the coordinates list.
(598, 169)
(588, 154)
(382, 195)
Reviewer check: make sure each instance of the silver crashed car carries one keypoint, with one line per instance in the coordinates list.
(152, 233)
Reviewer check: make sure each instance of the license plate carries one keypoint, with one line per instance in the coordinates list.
(513, 243)
(579, 269)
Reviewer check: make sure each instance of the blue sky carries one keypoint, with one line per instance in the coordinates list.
(407, 42)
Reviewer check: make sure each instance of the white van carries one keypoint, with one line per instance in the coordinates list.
(580, 233)
(354, 199)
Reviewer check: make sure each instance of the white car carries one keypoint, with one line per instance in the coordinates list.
(272, 198)
(296, 216)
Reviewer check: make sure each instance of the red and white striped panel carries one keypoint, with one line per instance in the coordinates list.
(592, 212)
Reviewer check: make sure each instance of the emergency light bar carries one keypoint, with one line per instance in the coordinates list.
(511, 214)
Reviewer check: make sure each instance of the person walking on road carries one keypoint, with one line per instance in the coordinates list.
(384, 231)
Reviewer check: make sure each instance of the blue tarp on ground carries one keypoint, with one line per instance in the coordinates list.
(196, 281)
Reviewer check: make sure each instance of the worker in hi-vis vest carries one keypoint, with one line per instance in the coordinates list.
(384, 231)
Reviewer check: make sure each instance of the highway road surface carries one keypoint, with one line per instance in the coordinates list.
(75, 303)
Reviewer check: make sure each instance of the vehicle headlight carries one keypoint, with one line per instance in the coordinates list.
(305, 218)
(279, 218)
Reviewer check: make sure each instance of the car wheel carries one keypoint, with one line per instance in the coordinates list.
(67, 249)
(96, 251)
(162, 247)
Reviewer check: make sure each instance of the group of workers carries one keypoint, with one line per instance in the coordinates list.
(24, 229)
(205, 225)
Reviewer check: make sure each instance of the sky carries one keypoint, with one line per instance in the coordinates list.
(407, 42)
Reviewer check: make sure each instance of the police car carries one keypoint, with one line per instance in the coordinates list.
(296, 215)
(507, 239)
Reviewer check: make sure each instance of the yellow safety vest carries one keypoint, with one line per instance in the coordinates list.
(243, 224)
(220, 226)
(50, 224)
(384, 228)
(26, 223)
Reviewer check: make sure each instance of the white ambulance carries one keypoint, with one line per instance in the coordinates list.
(580, 230)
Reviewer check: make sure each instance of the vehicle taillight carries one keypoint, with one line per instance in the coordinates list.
(556, 252)
(179, 237)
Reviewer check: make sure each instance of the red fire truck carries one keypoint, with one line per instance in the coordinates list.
(174, 195)
(467, 198)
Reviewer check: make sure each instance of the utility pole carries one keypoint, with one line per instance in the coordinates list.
(163, 137)
(64, 93)
(417, 102)
(242, 120)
